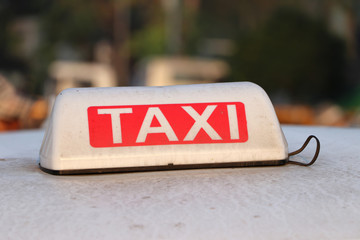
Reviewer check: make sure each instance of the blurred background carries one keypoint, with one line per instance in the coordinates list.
(304, 53)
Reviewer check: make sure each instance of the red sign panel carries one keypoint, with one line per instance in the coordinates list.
(164, 124)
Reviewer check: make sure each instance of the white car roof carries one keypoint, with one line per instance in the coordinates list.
(280, 202)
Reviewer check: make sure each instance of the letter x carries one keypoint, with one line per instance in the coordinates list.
(201, 123)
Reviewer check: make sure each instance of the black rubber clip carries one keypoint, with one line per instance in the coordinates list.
(302, 148)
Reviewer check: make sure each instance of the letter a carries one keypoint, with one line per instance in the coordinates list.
(164, 126)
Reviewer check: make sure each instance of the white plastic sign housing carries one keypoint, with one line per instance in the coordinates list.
(93, 130)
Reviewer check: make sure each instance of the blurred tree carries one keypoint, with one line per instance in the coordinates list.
(70, 29)
(78, 24)
(148, 29)
(293, 53)
(9, 62)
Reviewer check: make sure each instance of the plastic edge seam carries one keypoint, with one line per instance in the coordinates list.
(166, 167)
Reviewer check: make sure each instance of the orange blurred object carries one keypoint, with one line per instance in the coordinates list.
(17, 111)
(295, 114)
(9, 125)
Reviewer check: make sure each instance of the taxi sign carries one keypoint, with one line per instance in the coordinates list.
(93, 130)
(165, 124)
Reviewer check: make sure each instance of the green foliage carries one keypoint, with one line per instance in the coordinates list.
(150, 41)
(77, 24)
(291, 52)
(352, 99)
(73, 22)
